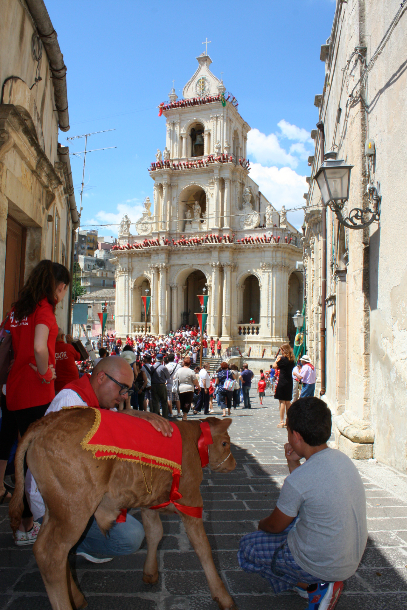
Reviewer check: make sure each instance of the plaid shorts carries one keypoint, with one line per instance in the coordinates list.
(269, 556)
(172, 396)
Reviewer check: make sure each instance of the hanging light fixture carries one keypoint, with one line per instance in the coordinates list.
(298, 320)
(333, 178)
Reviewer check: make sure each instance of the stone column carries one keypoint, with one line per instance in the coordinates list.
(341, 352)
(162, 226)
(226, 207)
(265, 300)
(214, 313)
(156, 207)
(138, 305)
(154, 299)
(162, 325)
(184, 145)
(3, 240)
(280, 303)
(175, 318)
(216, 204)
(226, 304)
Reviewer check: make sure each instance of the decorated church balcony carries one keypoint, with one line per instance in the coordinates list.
(199, 162)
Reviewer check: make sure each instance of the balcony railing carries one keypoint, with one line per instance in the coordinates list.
(246, 330)
(140, 327)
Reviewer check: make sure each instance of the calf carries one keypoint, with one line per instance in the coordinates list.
(75, 486)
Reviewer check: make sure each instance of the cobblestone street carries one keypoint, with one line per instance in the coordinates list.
(233, 504)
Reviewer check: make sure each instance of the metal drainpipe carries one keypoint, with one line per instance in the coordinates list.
(320, 126)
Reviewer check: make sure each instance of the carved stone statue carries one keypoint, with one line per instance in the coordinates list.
(283, 217)
(197, 210)
(250, 219)
(188, 215)
(158, 156)
(125, 226)
(143, 225)
(166, 154)
(218, 147)
(269, 215)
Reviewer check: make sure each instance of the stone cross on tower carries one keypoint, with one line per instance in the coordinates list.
(206, 43)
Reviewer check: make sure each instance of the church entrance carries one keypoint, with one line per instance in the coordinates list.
(194, 285)
(141, 286)
(295, 302)
(193, 209)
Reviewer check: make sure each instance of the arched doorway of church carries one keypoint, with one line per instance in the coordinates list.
(295, 302)
(194, 285)
(251, 300)
(140, 287)
(196, 140)
(193, 209)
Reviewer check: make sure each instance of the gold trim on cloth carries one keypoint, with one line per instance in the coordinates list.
(163, 464)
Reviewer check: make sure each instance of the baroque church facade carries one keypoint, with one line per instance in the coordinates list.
(211, 228)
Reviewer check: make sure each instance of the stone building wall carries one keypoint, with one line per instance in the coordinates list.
(363, 98)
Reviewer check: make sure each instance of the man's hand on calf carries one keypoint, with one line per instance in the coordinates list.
(158, 422)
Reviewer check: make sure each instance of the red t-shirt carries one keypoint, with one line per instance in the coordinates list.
(65, 367)
(204, 343)
(24, 388)
(212, 343)
(218, 345)
(261, 386)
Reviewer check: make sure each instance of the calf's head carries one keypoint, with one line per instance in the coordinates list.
(220, 456)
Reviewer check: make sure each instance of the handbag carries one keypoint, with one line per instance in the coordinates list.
(229, 383)
(6, 352)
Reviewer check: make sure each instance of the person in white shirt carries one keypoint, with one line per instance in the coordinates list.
(308, 377)
(204, 383)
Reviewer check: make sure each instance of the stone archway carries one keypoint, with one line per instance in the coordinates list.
(193, 286)
(250, 300)
(193, 209)
(141, 284)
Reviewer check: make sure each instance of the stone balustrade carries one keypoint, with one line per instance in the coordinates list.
(140, 327)
(245, 330)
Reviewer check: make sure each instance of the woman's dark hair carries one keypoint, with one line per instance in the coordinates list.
(311, 418)
(102, 352)
(187, 361)
(42, 283)
(224, 365)
(127, 348)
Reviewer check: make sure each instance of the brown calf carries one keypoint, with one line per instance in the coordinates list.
(75, 486)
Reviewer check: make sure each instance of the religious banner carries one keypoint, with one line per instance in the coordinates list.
(203, 299)
(103, 319)
(202, 318)
(146, 302)
(299, 341)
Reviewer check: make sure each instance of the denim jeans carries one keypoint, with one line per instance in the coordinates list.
(246, 398)
(308, 389)
(122, 539)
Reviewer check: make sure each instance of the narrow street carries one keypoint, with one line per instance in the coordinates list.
(233, 504)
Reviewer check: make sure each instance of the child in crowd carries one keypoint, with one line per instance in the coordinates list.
(315, 537)
(261, 386)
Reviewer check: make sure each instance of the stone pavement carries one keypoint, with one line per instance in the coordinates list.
(233, 504)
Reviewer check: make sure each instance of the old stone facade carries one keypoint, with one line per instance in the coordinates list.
(37, 204)
(210, 226)
(363, 116)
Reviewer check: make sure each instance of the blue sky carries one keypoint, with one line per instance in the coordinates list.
(123, 56)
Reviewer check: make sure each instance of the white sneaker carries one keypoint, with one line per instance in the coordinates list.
(93, 559)
(23, 538)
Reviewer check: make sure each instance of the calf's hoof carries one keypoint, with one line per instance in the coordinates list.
(150, 579)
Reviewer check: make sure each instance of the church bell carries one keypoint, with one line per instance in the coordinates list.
(199, 140)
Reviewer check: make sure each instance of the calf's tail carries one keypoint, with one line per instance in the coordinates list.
(16, 505)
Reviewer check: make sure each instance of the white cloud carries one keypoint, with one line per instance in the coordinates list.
(267, 149)
(299, 149)
(292, 132)
(282, 186)
(104, 218)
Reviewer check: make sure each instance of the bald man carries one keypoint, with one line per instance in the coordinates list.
(106, 387)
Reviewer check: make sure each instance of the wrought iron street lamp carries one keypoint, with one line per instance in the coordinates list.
(298, 320)
(333, 178)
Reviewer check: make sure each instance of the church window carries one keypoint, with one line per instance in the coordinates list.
(197, 140)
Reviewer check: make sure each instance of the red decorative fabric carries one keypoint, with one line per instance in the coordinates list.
(83, 388)
(124, 437)
(204, 440)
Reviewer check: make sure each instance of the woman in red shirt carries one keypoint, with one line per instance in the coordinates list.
(65, 362)
(30, 383)
(261, 387)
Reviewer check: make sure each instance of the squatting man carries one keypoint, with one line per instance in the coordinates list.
(107, 387)
(315, 537)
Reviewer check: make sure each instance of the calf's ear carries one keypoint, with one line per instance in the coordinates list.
(218, 426)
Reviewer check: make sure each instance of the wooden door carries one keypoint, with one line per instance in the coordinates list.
(15, 255)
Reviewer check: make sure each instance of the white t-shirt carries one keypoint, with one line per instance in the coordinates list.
(204, 379)
(327, 494)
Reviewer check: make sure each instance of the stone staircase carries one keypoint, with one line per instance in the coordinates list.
(214, 363)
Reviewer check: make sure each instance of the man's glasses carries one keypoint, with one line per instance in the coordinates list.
(124, 388)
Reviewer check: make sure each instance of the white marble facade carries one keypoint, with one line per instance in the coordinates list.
(205, 204)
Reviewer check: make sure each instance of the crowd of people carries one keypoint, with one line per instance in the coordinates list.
(311, 542)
